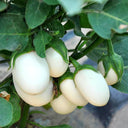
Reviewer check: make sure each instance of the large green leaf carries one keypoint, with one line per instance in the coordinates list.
(3, 6)
(51, 2)
(6, 112)
(15, 101)
(113, 18)
(71, 7)
(36, 13)
(13, 32)
(40, 40)
(120, 43)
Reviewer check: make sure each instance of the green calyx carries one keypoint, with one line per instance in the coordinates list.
(113, 61)
(79, 67)
(16, 54)
(59, 46)
(82, 67)
(67, 75)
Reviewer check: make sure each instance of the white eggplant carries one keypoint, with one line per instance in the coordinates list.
(62, 106)
(92, 86)
(69, 90)
(111, 77)
(37, 100)
(56, 63)
(31, 73)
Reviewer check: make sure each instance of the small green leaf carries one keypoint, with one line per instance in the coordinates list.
(13, 32)
(60, 47)
(78, 22)
(6, 112)
(71, 7)
(113, 18)
(40, 40)
(51, 2)
(56, 28)
(36, 13)
(3, 6)
(77, 28)
(84, 21)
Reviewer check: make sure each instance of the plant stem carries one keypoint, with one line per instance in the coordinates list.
(77, 56)
(24, 115)
(74, 62)
(110, 48)
(71, 50)
(78, 44)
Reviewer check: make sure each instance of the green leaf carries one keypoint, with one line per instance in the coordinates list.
(84, 21)
(81, 21)
(51, 2)
(59, 46)
(6, 112)
(56, 28)
(36, 13)
(71, 7)
(3, 6)
(40, 40)
(13, 32)
(77, 26)
(110, 19)
(15, 101)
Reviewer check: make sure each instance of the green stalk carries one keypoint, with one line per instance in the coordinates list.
(110, 48)
(24, 116)
(74, 62)
(79, 55)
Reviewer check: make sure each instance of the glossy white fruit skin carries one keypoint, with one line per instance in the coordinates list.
(62, 106)
(37, 100)
(56, 63)
(111, 78)
(31, 73)
(92, 86)
(69, 90)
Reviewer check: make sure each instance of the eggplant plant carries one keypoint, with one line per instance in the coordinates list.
(32, 42)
